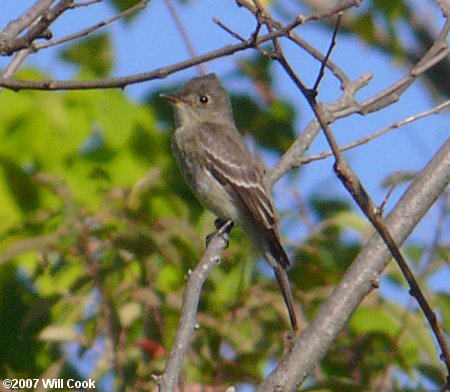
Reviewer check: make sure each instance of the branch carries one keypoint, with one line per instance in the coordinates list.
(365, 203)
(159, 73)
(17, 61)
(38, 30)
(85, 4)
(361, 277)
(346, 105)
(139, 6)
(183, 33)
(217, 242)
(15, 27)
(352, 182)
(374, 135)
(89, 249)
(438, 51)
(292, 158)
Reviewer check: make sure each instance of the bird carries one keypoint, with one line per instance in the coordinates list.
(224, 175)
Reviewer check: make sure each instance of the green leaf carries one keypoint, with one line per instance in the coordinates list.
(58, 333)
(328, 208)
(364, 27)
(369, 319)
(443, 302)
(170, 278)
(128, 313)
(22, 318)
(21, 185)
(352, 220)
(93, 54)
(227, 288)
(122, 5)
(272, 126)
(391, 9)
(257, 68)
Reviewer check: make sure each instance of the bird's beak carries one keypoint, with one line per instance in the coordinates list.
(171, 98)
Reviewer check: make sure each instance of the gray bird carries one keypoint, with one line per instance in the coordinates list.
(223, 174)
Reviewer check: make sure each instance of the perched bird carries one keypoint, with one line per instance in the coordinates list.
(223, 174)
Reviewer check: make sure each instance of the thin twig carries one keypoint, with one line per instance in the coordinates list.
(187, 324)
(324, 62)
(223, 26)
(17, 61)
(40, 29)
(112, 321)
(374, 135)
(184, 35)
(85, 3)
(121, 82)
(139, 6)
(356, 189)
(361, 278)
(15, 27)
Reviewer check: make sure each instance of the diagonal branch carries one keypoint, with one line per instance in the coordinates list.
(361, 277)
(184, 35)
(374, 135)
(159, 73)
(15, 27)
(129, 11)
(354, 186)
(217, 242)
(40, 29)
(352, 182)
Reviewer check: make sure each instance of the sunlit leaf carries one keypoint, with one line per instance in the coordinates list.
(58, 333)
(93, 53)
(366, 320)
(170, 278)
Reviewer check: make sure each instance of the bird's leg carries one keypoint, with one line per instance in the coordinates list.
(223, 228)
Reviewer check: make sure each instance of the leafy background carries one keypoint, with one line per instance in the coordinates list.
(98, 231)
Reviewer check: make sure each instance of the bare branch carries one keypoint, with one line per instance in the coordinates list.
(361, 277)
(293, 156)
(328, 54)
(121, 82)
(14, 65)
(38, 30)
(354, 185)
(85, 3)
(346, 105)
(374, 135)
(139, 6)
(228, 30)
(15, 27)
(216, 244)
(436, 53)
(183, 33)
(365, 203)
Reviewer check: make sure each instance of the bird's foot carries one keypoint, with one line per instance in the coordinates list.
(223, 229)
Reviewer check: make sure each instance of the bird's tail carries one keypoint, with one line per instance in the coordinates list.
(285, 288)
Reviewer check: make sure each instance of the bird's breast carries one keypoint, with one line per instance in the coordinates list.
(192, 161)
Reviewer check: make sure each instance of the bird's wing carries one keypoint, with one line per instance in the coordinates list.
(230, 162)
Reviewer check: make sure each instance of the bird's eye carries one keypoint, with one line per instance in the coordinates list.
(204, 99)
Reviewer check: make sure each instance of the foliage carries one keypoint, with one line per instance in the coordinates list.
(98, 231)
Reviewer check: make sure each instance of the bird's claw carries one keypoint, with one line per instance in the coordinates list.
(223, 229)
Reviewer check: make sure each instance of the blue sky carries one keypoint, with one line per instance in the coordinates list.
(152, 41)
